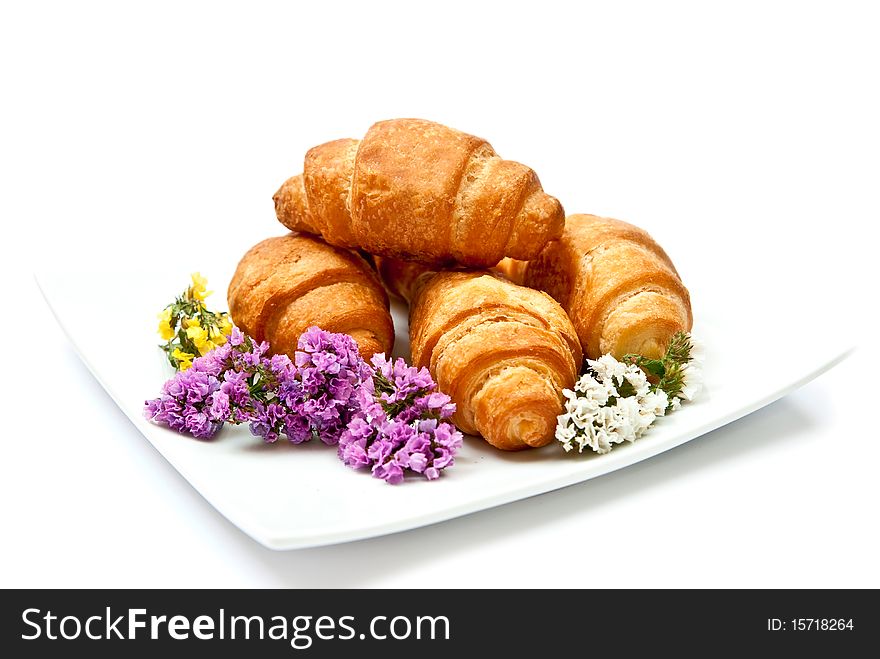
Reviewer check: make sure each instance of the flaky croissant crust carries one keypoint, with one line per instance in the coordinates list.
(502, 352)
(417, 190)
(286, 284)
(619, 287)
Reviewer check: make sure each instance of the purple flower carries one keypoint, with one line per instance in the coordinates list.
(312, 340)
(186, 403)
(319, 388)
(236, 337)
(402, 424)
(388, 416)
(214, 391)
(199, 424)
(152, 407)
(219, 408)
(418, 462)
(390, 471)
(214, 362)
(235, 386)
(268, 421)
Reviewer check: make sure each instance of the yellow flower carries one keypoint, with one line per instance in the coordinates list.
(199, 336)
(190, 322)
(196, 333)
(165, 329)
(225, 326)
(199, 284)
(205, 346)
(216, 337)
(184, 359)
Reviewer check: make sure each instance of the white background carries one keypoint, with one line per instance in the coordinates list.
(744, 138)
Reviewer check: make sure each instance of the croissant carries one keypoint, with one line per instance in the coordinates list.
(502, 352)
(417, 190)
(286, 284)
(618, 286)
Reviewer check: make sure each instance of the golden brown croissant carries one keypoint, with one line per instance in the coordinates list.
(618, 286)
(286, 284)
(502, 352)
(417, 190)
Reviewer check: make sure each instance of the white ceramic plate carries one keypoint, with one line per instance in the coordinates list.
(288, 497)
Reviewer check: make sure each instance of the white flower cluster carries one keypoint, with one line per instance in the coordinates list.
(597, 416)
(692, 376)
(590, 422)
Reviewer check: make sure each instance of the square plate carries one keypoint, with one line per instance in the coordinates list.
(288, 497)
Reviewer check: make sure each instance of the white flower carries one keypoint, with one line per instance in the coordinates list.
(627, 418)
(637, 378)
(583, 411)
(594, 391)
(590, 422)
(600, 440)
(565, 433)
(656, 402)
(692, 381)
(608, 369)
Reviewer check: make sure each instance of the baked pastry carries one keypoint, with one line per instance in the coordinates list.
(502, 352)
(417, 190)
(286, 284)
(618, 286)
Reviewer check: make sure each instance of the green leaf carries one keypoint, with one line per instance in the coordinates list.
(654, 367)
(679, 348)
(625, 389)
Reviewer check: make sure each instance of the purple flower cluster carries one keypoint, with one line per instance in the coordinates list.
(315, 395)
(217, 389)
(388, 416)
(312, 396)
(401, 424)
